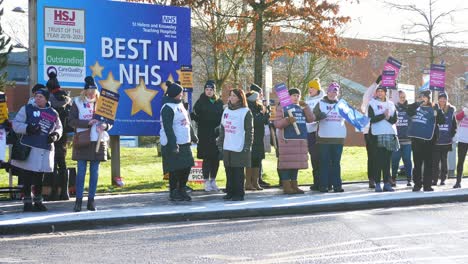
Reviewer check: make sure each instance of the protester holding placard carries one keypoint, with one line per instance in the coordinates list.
(405, 142)
(81, 119)
(383, 116)
(175, 142)
(235, 141)
(39, 127)
(447, 131)
(462, 138)
(207, 114)
(423, 132)
(290, 122)
(331, 134)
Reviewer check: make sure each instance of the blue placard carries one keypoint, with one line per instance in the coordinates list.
(422, 124)
(298, 113)
(129, 48)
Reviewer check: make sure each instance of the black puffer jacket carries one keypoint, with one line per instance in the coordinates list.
(259, 122)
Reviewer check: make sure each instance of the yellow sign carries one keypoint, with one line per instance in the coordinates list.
(186, 76)
(106, 106)
(3, 108)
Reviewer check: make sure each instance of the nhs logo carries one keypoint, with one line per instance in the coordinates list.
(169, 19)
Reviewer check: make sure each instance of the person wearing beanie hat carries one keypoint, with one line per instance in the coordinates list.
(446, 132)
(81, 119)
(312, 99)
(330, 137)
(260, 118)
(292, 156)
(39, 138)
(175, 137)
(36, 87)
(52, 84)
(423, 128)
(254, 87)
(383, 116)
(207, 113)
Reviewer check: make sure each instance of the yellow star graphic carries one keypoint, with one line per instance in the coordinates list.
(141, 98)
(164, 86)
(96, 69)
(179, 73)
(110, 83)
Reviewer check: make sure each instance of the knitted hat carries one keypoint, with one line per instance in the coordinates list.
(52, 84)
(37, 87)
(44, 92)
(333, 87)
(294, 91)
(89, 83)
(443, 94)
(173, 90)
(380, 87)
(315, 84)
(254, 87)
(210, 84)
(252, 96)
(426, 93)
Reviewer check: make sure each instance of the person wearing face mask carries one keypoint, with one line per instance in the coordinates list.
(40, 126)
(81, 119)
(447, 131)
(175, 142)
(207, 113)
(383, 116)
(423, 131)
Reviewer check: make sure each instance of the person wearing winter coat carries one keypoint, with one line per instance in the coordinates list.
(423, 131)
(235, 141)
(176, 142)
(330, 137)
(293, 150)
(462, 146)
(39, 126)
(260, 118)
(207, 114)
(383, 116)
(315, 95)
(447, 131)
(58, 180)
(405, 142)
(81, 119)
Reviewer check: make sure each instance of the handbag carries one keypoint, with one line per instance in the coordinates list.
(19, 151)
(82, 139)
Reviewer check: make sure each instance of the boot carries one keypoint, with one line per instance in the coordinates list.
(28, 207)
(458, 183)
(287, 188)
(91, 206)
(185, 195)
(295, 188)
(64, 195)
(248, 180)
(255, 177)
(175, 196)
(38, 205)
(78, 203)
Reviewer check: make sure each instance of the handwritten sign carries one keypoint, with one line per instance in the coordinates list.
(106, 106)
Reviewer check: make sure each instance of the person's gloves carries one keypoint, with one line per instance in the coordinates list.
(7, 125)
(291, 119)
(378, 79)
(33, 129)
(53, 137)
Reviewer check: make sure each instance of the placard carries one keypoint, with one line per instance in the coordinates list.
(437, 77)
(106, 106)
(283, 95)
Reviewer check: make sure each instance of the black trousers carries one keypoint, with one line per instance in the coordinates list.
(210, 168)
(32, 178)
(178, 179)
(235, 177)
(462, 149)
(422, 155)
(439, 159)
(371, 163)
(382, 164)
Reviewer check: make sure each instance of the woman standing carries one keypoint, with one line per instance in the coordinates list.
(235, 141)
(405, 142)
(383, 117)
(447, 131)
(40, 126)
(176, 142)
(207, 114)
(462, 138)
(293, 148)
(260, 118)
(423, 133)
(81, 119)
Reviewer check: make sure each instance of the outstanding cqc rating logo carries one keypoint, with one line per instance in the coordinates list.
(69, 63)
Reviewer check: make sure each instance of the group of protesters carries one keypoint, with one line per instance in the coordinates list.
(235, 134)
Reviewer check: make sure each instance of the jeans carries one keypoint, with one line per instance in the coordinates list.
(93, 178)
(288, 174)
(403, 153)
(330, 168)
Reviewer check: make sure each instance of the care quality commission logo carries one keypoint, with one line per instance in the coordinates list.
(69, 63)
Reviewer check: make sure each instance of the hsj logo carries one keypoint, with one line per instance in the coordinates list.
(169, 19)
(64, 17)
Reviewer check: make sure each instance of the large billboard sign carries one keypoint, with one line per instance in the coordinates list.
(130, 49)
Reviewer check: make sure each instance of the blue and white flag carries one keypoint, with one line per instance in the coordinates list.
(351, 115)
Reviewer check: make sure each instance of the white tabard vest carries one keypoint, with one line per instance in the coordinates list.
(333, 126)
(462, 131)
(180, 125)
(312, 127)
(383, 127)
(86, 112)
(234, 130)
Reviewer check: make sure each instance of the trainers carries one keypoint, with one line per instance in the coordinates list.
(214, 187)
(387, 187)
(118, 181)
(378, 188)
(208, 186)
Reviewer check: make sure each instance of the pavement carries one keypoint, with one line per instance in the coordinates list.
(131, 209)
